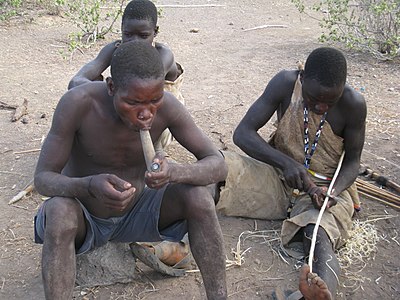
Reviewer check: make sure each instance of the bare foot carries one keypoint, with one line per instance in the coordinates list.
(312, 286)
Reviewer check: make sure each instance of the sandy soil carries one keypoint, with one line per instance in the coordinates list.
(226, 69)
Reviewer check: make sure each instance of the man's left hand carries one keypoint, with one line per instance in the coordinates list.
(318, 195)
(159, 178)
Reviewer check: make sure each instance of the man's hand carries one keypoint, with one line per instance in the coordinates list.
(318, 194)
(297, 177)
(112, 191)
(161, 177)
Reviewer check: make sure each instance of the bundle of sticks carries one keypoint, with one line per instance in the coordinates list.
(374, 192)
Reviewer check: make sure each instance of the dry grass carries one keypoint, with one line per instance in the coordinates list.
(360, 248)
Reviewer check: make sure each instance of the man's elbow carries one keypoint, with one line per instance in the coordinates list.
(76, 81)
(238, 137)
(72, 83)
(38, 183)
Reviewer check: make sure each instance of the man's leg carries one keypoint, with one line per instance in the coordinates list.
(325, 264)
(196, 205)
(65, 230)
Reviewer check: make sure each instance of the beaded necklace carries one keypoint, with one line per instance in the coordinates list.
(308, 153)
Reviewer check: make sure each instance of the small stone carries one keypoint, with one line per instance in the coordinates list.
(194, 30)
(257, 261)
(24, 121)
(391, 89)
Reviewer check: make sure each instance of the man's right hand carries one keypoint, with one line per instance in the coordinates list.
(297, 177)
(114, 192)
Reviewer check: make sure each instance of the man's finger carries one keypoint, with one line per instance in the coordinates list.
(119, 183)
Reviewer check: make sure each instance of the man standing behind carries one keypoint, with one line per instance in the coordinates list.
(93, 167)
(318, 117)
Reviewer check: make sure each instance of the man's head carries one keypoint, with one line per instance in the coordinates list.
(324, 78)
(136, 83)
(139, 21)
(135, 60)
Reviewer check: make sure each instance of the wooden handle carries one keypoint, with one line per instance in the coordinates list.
(148, 149)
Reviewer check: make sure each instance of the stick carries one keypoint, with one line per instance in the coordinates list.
(148, 151)
(29, 188)
(27, 151)
(20, 111)
(379, 199)
(266, 26)
(4, 105)
(314, 237)
(379, 192)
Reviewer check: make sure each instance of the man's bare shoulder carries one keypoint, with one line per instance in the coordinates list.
(171, 103)
(163, 48)
(288, 76)
(352, 97)
(283, 79)
(352, 100)
(105, 54)
(171, 109)
(82, 97)
(353, 104)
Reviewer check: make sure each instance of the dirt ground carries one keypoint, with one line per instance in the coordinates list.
(226, 68)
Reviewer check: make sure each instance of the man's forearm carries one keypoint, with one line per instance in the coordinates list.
(53, 184)
(211, 169)
(347, 175)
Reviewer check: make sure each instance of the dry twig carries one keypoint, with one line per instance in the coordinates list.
(266, 26)
(4, 105)
(20, 111)
(27, 151)
(28, 188)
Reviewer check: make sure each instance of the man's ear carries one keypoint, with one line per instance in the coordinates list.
(110, 86)
(156, 30)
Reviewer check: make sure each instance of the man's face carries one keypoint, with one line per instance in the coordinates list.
(320, 98)
(133, 30)
(137, 102)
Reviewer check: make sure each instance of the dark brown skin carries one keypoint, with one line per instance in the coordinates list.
(346, 115)
(93, 152)
(132, 29)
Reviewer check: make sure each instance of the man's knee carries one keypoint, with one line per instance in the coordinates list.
(198, 201)
(322, 240)
(62, 217)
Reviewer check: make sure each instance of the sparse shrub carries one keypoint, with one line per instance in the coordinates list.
(9, 8)
(368, 25)
(93, 18)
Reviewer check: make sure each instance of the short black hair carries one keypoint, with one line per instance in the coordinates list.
(326, 65)
(135, 59)
(141, 10)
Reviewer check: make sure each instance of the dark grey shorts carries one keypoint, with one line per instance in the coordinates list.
(139, 225)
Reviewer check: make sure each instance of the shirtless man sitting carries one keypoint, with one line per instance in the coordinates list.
(93, 168)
